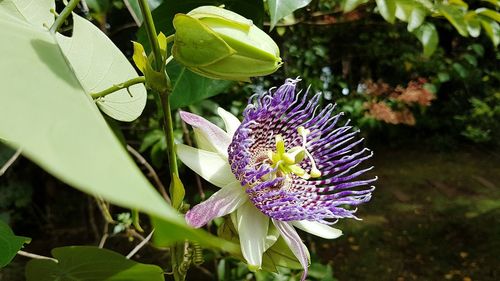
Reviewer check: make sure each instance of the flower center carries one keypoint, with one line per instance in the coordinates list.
(287, 162)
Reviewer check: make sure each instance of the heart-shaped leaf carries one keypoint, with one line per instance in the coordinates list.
(9, 243)
(99, 64)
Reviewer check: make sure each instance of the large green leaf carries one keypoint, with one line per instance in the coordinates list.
(86, 263)
(9, 243)
(387, 9)
(279, 9)
(456, 16)
(428, 36)
(189, 88)
(60, 128)
(34, 12)
(98, 64)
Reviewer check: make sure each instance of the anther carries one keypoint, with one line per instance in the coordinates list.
(315, 173)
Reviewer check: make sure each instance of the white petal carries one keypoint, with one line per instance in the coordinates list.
(209, 165)
(318, 229)
(272, 236)
(221, 203)
(219, 139)
(232, 123)
(293, 240)
(202, 142)
(252, 227)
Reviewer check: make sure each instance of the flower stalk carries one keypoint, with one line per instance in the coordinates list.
(176, 251)
(151, 31)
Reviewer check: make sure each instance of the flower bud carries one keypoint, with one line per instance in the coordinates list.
(221, 44)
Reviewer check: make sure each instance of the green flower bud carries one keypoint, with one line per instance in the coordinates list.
(221, 44)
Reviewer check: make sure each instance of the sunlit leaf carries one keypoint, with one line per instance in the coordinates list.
(455, 16)
(473, 24)
(492, 29)
(403, 9)
(494, 15)
(35, 12)
(387, 9)
(279, 9)
(9, 243)
(416, 19)
(458, 3)
(350, 5)
(99, 64)
(493, 2)
(60, 128)
(86, 263)
(410, 11)
(427, 35)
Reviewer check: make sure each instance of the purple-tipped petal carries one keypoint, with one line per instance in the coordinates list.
(219, 139)
(293, 240)
(221, 203)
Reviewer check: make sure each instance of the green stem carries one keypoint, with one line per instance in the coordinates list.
(63, 16)
(151, 31)
(117, 87)
(176, 252)
(169, 133)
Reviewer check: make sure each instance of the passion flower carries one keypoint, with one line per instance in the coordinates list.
(287, 162)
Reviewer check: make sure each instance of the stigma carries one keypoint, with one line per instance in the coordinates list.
(288, 162)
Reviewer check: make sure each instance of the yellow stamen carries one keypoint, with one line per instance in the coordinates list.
(287, 161)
